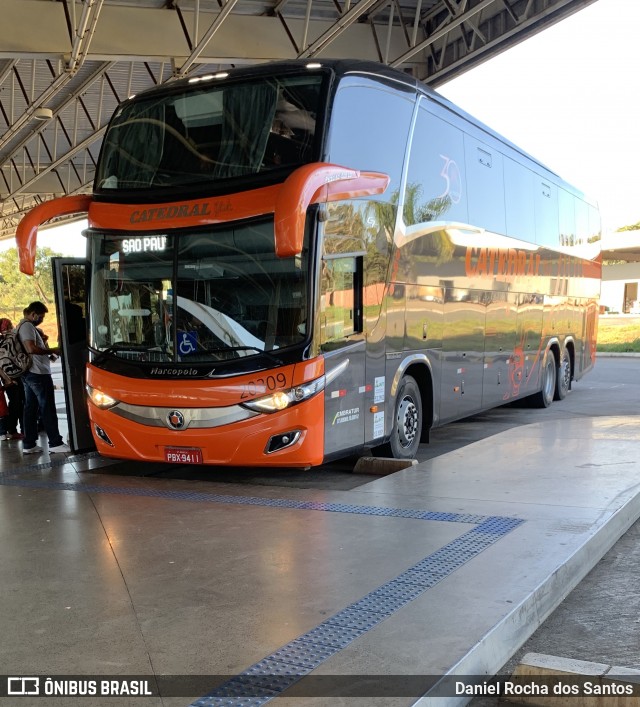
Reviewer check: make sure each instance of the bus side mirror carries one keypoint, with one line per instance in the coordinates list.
(311, 184)
(27, 231)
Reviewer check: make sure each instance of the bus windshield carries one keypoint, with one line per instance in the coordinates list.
(208, 132)
(214, 295)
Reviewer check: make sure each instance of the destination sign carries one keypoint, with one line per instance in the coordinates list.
(144, 244)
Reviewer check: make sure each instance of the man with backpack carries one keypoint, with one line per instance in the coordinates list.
(39, 396)
(14, 392)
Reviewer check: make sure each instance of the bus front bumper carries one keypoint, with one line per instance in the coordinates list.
(293, 437)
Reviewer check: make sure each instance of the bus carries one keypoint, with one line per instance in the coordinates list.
(298, 261)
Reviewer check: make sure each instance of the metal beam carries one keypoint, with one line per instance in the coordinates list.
(7, 70)
(79, 91)
(67, 156)
(201, 46)
(527, 24)
(455, 22)
(57, 84)
(338, 28)
(84, 33)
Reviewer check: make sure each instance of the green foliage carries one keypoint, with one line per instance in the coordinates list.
(18, 290)
(632, 227)
(629, 347)
(614, 336)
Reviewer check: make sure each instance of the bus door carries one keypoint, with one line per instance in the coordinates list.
(70, 283)
(344, 348)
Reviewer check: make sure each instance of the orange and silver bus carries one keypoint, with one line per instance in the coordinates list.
(295, 261)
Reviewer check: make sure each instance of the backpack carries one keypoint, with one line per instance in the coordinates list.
(14, 360)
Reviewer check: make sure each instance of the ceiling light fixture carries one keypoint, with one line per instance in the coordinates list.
(43, 114)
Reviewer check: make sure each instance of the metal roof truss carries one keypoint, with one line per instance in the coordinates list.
(66, 64)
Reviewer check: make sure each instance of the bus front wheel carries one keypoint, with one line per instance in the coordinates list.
(407, 420)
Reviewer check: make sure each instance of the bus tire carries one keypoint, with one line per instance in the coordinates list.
(407, 420)
(544, 397)
(563, 377)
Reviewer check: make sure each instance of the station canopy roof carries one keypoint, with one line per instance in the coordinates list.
(66, 64)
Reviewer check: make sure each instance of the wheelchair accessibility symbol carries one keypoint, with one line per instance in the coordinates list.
(188, 342)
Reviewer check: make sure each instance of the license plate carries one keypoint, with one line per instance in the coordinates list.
(183, 455)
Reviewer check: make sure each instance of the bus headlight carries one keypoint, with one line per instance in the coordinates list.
(100, 399)
(285, 398)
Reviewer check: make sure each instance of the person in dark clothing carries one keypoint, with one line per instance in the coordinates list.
(15, 396)
(4, 415)
(75, 322)
(38, 385)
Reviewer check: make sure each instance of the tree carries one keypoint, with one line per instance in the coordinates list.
(633, 227)
(18, 290)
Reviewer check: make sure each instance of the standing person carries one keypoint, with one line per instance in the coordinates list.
(4, 414)
(15, 394)
(38, 385)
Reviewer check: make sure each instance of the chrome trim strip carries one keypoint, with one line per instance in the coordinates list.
(413, 358)
(296, 437)
(335, 372)
(195, 418)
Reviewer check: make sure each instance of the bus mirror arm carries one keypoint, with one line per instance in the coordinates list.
(311, 184)
(27, 231)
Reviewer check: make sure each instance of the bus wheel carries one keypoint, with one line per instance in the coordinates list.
(407, 420)
(563, 377)
(544, 398)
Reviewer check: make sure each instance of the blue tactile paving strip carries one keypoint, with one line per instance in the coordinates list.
(272, 675)
(201, 497)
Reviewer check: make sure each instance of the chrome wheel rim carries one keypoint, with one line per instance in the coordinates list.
(407, 422)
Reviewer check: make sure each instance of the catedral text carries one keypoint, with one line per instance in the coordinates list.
(168, 213)
(501, 263)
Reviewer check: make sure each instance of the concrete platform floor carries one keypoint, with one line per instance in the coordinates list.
(364, 596)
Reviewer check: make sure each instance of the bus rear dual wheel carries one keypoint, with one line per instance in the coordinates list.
(544, 397)
(563, 377)
(556, 379)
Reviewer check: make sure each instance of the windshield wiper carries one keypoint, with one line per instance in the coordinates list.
(121, 346)
(268, 354)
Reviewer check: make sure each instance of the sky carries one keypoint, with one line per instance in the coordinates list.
(567, 96)
(66, 240)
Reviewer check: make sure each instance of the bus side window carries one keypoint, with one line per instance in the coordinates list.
(341, 300)
(436, 178)
(378, 140)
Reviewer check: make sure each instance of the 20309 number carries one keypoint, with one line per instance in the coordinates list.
(261, 385)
